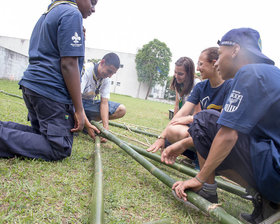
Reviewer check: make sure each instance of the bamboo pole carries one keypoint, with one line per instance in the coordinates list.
(132, 129)
(227, 186)
(97, 204)
(212, 209)
(10, 94)
(129, 138)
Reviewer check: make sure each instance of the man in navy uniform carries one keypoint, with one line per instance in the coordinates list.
(244, 143)
(51, 86)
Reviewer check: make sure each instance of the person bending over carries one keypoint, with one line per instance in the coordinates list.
(95, 82)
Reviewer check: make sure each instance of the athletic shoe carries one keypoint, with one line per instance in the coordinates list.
(265, 212)
(209, 197)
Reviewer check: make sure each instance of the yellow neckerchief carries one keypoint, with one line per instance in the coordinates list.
(56, 3)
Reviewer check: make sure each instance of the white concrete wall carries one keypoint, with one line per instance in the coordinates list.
(125, 80)
(14, 60)
(12, 64)
(15, 44)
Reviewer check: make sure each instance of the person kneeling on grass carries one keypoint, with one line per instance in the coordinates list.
(244, 144)
(95, 81)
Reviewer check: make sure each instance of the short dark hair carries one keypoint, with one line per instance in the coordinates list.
(212, 53)
(112, 59)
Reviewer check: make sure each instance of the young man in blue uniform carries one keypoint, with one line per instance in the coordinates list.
(51, 86)
(244, 144)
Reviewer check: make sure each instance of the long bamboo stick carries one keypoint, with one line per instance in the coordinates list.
(97, 204)
(192, 172)
(132, 129)
(10, 94)
(222, 184)
(212, 209)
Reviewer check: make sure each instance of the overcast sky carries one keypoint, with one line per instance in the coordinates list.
(186, 26)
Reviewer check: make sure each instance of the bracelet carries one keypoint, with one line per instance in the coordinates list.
(200, 181)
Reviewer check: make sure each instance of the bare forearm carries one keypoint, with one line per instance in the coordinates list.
(182, 117)
(220, 148)
(71, 76)
(184, 143)
(104, 114)
(185, 110)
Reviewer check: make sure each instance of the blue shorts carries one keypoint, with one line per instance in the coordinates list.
(203, 131)
(92, 108)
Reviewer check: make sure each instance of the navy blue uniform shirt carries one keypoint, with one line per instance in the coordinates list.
(210, 98)
(253, 108)
(57, 34)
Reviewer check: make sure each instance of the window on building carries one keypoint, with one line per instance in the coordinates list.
(112, 82)
(118, 83)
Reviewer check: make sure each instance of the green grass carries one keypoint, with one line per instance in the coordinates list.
(33, 191)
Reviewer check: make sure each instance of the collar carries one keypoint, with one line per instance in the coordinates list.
(58, 2)
(96, 71)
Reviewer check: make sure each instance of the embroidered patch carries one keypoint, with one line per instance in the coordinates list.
(66, 117)
(76, 39)
(233, 101)
(204, 102)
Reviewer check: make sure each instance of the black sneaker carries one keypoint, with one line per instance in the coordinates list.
(209, 197)
(264, 211)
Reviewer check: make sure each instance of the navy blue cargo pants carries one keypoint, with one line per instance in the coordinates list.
(49, 137)
(203, 131)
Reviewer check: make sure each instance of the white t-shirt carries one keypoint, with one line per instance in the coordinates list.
(89, 85)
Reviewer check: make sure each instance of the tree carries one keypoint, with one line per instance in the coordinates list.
(152, 63)
(169, 94)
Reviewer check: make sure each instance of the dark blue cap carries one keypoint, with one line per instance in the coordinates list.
(248, 39)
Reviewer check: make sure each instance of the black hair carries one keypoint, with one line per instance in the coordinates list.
(112, 59)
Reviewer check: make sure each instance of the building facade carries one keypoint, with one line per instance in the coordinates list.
(14, 60)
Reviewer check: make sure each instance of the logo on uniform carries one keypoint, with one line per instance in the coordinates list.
(233, 101)
(76, 39)
(204, 102)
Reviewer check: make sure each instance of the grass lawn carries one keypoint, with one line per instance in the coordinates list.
(33, 191)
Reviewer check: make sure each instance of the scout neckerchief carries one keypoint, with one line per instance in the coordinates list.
(180, 97)
(95, 80)
(56, 3)
(180, 102)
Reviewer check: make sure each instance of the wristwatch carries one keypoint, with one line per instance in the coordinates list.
(160, 137)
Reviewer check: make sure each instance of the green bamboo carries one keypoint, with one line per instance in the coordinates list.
(10, 94)
(240, 191)
(133, 129)
(213, 210)
(97, 204)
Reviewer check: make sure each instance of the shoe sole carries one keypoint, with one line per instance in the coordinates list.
(272, 219)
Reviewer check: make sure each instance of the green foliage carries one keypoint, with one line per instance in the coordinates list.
(152, 63)
(169, 94)
(93, 60)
